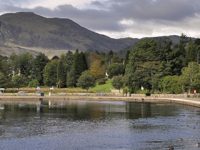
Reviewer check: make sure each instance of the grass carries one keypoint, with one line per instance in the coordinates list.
(105, 88)
(46, 90)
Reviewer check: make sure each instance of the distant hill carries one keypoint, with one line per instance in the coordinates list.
(26, 31)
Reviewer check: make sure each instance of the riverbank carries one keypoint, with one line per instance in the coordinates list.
(151, 99)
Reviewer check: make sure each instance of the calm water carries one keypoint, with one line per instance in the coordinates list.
(99, 125)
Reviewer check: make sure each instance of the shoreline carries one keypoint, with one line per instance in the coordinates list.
(36, 99)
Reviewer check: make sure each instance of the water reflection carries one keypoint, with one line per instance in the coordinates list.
(89, 110)
(109, 125)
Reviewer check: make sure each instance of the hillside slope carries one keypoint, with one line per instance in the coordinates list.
(24, 31)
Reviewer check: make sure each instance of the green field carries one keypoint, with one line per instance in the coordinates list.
(105, 88)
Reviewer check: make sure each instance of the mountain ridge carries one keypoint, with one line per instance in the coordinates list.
(28, 32)
(26, 29)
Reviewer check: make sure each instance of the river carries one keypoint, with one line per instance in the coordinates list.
(85, 125)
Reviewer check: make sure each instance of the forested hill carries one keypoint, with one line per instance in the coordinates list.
(24, 31)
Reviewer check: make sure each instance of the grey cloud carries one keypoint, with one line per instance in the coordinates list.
(107, 17)
(156, 9)
(97, 3)
(90, 18)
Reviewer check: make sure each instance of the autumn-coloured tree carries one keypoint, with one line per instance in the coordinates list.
(97, 69)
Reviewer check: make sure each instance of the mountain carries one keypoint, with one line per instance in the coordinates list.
(26, 31)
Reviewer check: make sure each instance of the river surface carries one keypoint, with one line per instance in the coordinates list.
(99, 125)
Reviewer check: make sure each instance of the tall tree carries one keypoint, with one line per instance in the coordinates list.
(3, 80)
(25, 64)
(143, 65)
(69, 59)
(61, 74)
(79, 65)
(97, 69)
(50, 73)
(39, 64)
(127, 57)
(190, 77)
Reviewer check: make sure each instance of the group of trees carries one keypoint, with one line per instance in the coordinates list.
(161, 66)
(78, 69)
(28, 70)
(153, 65)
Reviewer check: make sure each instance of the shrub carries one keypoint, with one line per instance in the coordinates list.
(86, 80)
(101, 81)
(118, 82)
(33, 83)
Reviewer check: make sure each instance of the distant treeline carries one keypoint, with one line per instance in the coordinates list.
(150, 66)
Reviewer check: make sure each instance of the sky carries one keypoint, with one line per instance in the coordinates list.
(119, 18)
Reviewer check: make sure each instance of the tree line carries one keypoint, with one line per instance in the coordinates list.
(163, 67)
(152, 65)
(78, 69)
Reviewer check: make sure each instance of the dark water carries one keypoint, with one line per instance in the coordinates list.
(99, 125)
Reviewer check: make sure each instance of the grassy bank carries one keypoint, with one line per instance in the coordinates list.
(104, 88)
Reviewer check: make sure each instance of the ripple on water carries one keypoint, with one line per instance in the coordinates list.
(105, 125)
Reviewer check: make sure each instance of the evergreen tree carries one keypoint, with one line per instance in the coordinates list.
(50, 73)
(69, 62)
(25, 64)
(71, 78)
(39, 64)
(127, 57)
(79, 65)
(3, 80)
(61, 74)
(82, 62)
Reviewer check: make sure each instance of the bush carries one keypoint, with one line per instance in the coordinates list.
(101, 81)
(115, 70)
(125, 90)
(148, 94)
(33, 83)
(19, 81)
(171, 84)
(86, 80)
(118, 82)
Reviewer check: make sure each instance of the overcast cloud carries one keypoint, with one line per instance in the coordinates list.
(119, 18)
